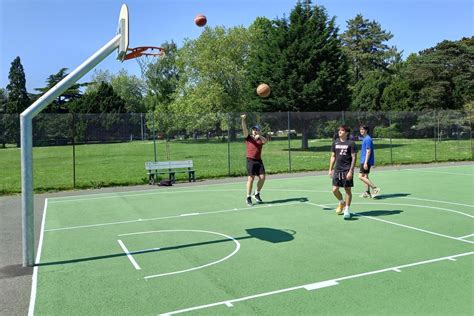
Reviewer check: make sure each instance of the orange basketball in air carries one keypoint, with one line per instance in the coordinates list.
(263, 90)
(200, 20)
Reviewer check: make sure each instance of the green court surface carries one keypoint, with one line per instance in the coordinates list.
(200, 250)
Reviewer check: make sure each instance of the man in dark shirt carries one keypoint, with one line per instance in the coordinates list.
(255, 167)
(341, 169)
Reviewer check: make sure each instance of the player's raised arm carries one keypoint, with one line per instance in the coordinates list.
(244, 125)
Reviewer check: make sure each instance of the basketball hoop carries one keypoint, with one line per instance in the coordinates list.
(145, 56)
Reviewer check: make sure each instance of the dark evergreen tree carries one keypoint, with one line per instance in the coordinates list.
(60, 104)
(18, 101)
(301, 58)
(365, 45)
(442, 77)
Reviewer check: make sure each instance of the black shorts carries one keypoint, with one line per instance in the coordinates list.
(363, 170)
(339, 180)
(255, 167)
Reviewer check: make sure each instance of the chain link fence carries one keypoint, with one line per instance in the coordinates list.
(95, 150)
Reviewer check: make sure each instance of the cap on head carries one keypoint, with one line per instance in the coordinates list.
(257, 128)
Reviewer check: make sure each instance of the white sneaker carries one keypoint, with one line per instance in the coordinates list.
(366, 195)
(376, 192)
(347, 214)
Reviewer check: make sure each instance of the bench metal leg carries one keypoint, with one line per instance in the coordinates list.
(172, 177)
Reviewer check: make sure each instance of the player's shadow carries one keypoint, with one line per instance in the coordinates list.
(379, 213)
(262, 233)
(390, 196)
(300, 199)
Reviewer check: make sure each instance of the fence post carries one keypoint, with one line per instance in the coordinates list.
(154, 134)
(228, 146)
(390, 136)
(73, 151)
(289, 142)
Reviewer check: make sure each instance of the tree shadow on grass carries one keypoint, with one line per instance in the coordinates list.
(272, 235)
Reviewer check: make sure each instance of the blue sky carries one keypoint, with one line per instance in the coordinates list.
(51, 34)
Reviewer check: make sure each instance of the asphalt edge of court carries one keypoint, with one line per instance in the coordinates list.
(15, 280)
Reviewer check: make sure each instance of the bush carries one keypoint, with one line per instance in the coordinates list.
(387, 132)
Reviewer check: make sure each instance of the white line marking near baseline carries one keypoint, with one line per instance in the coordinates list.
(129, 255)
(34, 283)
(155, 191)
(467, 236)
(439, 172)
(316, 285)
(237, 248)
(415, 205)
(174, 216)
(397, 224)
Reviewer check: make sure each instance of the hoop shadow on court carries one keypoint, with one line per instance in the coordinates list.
(267, 234)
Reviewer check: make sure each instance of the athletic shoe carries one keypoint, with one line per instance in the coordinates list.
(376, 192)
(258, 198)
(249, 201)
(347, 214)
(340, 208)
(366, 195)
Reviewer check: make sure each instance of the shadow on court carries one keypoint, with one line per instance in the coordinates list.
(379, 213)
(262, 233)
(390, 196)
(300, 199)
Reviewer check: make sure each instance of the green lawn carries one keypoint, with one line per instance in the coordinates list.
(100, 165)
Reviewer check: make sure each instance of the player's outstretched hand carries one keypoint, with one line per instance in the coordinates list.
(243, 116)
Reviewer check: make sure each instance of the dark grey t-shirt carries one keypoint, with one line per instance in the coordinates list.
(343, 151)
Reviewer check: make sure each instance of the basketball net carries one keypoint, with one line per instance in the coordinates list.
(146, 56)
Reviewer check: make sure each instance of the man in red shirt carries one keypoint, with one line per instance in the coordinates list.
(255, 167)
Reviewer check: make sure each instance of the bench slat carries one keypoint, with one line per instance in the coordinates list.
(168, 164)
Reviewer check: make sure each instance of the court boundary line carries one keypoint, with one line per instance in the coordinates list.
(34, 282)
(438, 172)
(120, 194)
(259, 206)
(129, 255)
(398, 224)
(247, 208)
(318, 285)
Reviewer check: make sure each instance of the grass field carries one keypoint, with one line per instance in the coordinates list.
(200, 250)
(99, 165)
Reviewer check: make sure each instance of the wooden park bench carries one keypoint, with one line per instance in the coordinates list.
(169, 167)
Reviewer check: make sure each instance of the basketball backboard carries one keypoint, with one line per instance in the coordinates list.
(122, 29)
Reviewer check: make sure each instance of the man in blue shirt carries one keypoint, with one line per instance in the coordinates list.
(367, 160)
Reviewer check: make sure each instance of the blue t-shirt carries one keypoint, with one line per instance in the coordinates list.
(367, 144)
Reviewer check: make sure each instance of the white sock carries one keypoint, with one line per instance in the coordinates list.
(346, 209)
(257, 192)
(249, 196)
(341, 201)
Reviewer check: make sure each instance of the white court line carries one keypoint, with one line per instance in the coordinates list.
(316, 285)
(129, 255)
(237, 248)
(440, 172)
(467, 236)
(157, 191)
(174, 216)
(34, 283)
(397, 224)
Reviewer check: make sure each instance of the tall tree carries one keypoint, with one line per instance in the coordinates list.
(302, 59)
(3, 105)
(213, 75)
(18, 100)
(442, 77)
(59, 105)
(365, 44)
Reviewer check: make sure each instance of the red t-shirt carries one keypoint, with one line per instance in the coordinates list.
(254, 148)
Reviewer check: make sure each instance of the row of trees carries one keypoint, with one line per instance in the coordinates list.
(308, 63)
